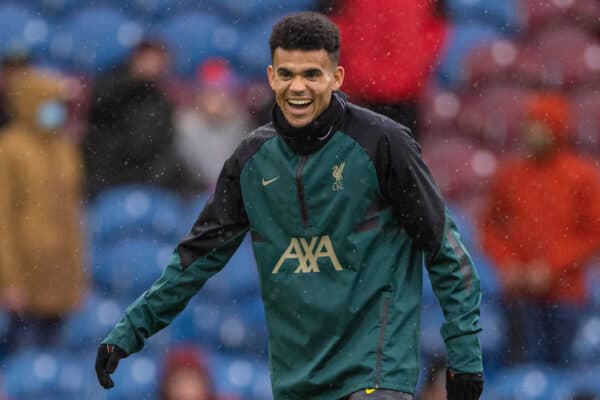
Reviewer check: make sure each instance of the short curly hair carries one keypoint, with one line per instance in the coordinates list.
(306, 31)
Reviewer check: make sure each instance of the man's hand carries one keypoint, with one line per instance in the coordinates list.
(107, 361)
(463, 386)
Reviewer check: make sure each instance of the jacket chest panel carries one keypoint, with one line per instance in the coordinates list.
(296, 195)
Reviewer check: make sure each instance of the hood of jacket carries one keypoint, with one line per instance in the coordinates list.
(27, 92)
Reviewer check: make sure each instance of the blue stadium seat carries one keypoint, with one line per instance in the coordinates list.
(99, 37)
(137, 378)
(20, 30)
(135, 210)
(239, 278)
(92, 322)
(585, 380)
(241, 377)
(254, 54)
(129, 267)
(260, 9)
(529, 382)
(503, 15)
(586, 347)
(190, 35)
(56, 8)
(237, 326)
(49, 374)
(462, 39)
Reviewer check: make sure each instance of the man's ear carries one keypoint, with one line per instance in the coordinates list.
(271, 76)
(338, 77)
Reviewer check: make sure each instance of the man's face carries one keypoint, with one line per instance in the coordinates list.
(303, 82)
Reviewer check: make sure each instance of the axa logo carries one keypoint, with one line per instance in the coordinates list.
(337, 173)
(307, 253)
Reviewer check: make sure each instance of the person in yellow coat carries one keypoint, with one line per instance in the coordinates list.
(41, 264)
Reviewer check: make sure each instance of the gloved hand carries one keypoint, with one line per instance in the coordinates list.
(463, 386)
(107, 361)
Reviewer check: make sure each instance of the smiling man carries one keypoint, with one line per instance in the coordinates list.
(343, 215)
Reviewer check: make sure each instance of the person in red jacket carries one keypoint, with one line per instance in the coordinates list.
(541, 226)
(390, 47)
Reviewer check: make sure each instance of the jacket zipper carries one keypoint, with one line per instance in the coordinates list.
(300, 190)
(384, 320)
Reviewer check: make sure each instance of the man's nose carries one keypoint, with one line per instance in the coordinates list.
(297, 84)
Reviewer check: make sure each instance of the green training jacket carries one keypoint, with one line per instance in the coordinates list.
(341, 225)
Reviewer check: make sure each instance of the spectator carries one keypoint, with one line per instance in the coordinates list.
(41, 274)
(208, 132)
(130, 136)
(387, 77)
(541, 225)
(185, 376)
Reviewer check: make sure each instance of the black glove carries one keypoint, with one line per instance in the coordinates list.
(107, 361)
(463, 386)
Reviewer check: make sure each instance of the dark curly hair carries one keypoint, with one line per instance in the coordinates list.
(306, 31)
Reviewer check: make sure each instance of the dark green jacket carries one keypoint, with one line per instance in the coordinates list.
(340, 231)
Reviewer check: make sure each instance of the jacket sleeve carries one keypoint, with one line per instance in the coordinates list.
(212, 241)
(408, 185)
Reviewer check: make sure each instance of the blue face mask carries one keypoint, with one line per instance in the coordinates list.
(51, 115)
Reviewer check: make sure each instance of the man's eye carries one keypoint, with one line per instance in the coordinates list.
(284, 74)
(312, 74)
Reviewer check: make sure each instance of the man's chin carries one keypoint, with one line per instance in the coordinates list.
(298, 122)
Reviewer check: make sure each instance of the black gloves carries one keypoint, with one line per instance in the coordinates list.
(463, 386)
(107, 361)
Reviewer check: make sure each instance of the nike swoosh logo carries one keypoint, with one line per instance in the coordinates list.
(268, 182)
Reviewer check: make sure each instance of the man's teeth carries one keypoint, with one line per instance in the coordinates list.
(299, 102)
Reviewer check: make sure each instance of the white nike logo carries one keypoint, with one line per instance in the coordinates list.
(268, 182)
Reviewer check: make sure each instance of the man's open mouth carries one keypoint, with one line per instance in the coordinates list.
(299, 104)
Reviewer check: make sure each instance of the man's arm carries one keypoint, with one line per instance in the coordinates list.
(408, 185)
(212, 241)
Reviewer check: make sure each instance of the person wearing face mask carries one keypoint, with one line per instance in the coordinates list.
(41, 267)
(343, 214)
(541, 225)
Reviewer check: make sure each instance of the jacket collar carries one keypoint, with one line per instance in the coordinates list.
(310, 138)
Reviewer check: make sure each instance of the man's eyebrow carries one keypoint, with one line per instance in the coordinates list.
(311, 71)
(284, 70)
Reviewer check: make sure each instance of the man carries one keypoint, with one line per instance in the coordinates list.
(342, 213)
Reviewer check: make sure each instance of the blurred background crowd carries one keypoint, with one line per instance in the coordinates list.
(115, 119)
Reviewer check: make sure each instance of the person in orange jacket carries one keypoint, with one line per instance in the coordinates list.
(541, 226)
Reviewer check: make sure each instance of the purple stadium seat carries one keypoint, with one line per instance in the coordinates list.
(586, 120)
(494, 115)
(459, 165)
(439, 109)
(493, 62)
(546, 13)
(561, 57)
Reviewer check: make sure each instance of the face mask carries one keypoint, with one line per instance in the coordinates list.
(51, 115)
